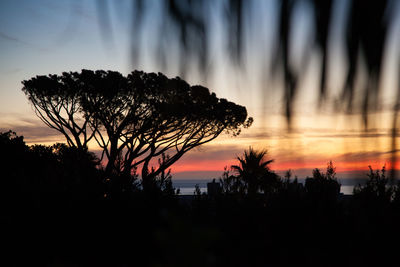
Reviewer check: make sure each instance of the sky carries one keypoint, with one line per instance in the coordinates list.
(49, 37)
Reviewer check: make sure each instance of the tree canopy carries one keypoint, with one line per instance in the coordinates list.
(133, 118)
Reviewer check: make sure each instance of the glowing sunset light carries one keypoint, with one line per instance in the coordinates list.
(281, 167)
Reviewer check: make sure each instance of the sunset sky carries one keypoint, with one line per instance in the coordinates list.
(48, 37)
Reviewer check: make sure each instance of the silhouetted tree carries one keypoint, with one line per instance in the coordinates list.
(378, 187)
(14, 166)
(56, 101)
(134, 119)
(254, 171)
(41, 175)
(323, 187)
(160, 184)
(291, 188)
(232, 184)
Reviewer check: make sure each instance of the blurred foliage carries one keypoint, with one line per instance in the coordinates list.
(189, 26)
(187, 23)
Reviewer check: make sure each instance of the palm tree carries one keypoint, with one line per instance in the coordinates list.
(254, 170)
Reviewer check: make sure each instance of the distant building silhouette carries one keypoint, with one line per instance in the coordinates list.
(213, 188)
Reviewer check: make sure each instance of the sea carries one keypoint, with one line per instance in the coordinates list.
(187, 186)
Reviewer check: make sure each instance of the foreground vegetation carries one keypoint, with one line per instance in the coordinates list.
(59, 207)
